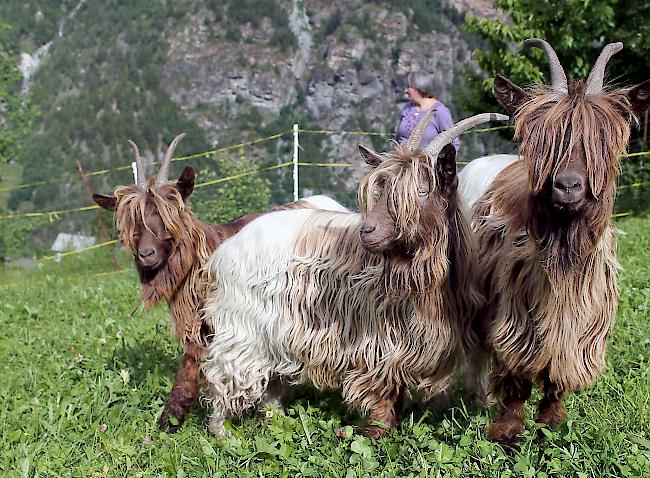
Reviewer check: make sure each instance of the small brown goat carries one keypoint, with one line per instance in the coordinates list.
(547, 246)
(169, 246)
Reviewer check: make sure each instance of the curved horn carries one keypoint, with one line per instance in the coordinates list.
(439, 142)
(163, 174)
(597, 75)
(418, 132)
(138, 165)
(558, 77)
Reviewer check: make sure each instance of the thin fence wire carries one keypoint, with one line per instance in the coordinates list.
(55, 214)
(178, 158)
(257, 141)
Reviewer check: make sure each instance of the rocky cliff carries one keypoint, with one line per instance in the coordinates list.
(228, 72)
(345, 71)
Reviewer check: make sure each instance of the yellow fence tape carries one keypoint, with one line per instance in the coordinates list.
(232, 146)
(96, 274)
(53, 215)
(241, 175)
(179, 158)
(261, 140)
(79, 251)
(342, 133)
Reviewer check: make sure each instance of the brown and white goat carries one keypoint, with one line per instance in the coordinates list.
(170, 246)
(547, 248)
(296, 295)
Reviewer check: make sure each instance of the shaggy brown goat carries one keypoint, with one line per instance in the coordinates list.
(169, 246)
(296, 295)
(547, 248)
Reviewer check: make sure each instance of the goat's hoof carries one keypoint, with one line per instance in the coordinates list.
(168, 422)
(506, 432)
(218, 430)
(551, 416)
(374, 432)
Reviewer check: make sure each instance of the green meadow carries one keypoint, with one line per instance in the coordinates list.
(85, 375)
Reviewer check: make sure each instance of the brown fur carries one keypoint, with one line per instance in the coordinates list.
(375, 318)
(552, 129)
(177, 281)
(549, 271)
(414, 261)
(192, 243)
(420, 213)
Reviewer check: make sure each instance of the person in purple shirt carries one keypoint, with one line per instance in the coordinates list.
(420, 89)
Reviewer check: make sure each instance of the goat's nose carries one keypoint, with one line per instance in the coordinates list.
(144, 253)
(367, 228)
(569, 183)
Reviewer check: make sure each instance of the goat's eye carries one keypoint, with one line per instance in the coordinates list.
(423, 192)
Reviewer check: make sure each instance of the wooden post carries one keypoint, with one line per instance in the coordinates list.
(102, 230)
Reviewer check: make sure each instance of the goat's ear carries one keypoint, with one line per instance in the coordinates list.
(369, 156)
(508, 94)
(185, 182)
(639, 96)
(447, 168)
(107, 202)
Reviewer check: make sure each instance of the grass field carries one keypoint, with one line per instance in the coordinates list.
(84, 379)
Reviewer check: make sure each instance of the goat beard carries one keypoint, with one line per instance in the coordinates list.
(163, 282)
(565, 238)
(414, 271)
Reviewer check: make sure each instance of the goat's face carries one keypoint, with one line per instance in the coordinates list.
(152, 243)
(568, 188)
(572, 135)
(149, 220)
(406, 199)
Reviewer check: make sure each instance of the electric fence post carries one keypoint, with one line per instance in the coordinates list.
(295, 161)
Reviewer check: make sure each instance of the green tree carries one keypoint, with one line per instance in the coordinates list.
(577, 30)
(226, 200)
(14, 112)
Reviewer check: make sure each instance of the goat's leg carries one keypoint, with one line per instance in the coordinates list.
(215, 422)
(387, 411)
(234, 382)
(476, 377)
(276, 395)
(515, 390)
(185, 390)
(551, 407)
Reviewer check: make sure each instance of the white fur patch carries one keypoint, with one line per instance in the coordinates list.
(477, 176)
(324, 202)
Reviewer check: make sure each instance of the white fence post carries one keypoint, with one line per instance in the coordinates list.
(135, 173)
(295, 161)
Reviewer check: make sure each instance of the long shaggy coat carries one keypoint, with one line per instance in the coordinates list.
(295, 295)
(193, 242)
(549, 278)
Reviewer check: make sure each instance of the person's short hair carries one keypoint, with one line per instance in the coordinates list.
(423, 82)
